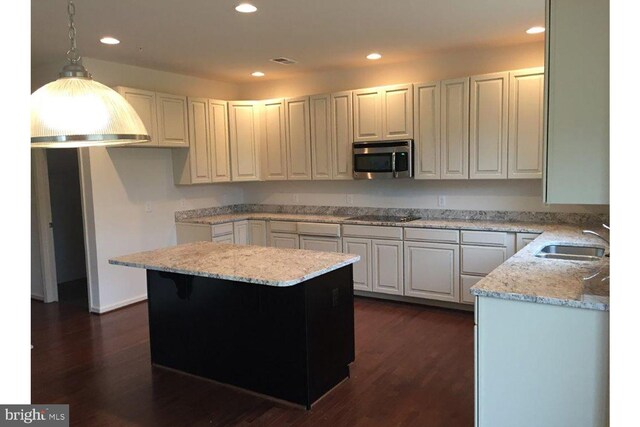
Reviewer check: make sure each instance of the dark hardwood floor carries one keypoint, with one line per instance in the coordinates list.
(413, 367)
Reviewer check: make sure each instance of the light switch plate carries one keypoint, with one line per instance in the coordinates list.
(442, 201)
(147, 207)
(350, 199)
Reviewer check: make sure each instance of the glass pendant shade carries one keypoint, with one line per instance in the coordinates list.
(80, 112)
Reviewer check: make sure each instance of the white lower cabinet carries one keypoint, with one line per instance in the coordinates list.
(241, 232)
(431, 270)
(387, 262)
(466, 282)
(320, 243)
(189, 233)
(362, 268)
(257, 232)
(523, 239)
(481, 259)
(284, 240)
(228, 238)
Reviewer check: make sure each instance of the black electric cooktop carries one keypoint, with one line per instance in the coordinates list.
(384, 218)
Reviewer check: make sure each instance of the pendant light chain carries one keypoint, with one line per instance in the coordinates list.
(72, 53)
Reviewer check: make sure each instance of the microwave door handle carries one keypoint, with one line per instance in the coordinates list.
(393, 164)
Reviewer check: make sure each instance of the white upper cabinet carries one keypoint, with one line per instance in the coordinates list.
(489, 116)
(426, 113)
(383, 113)
(367, 115)
(219, 159)
(526, 107)
(244, 140)
(274, 144)
(454, 129)
(298, 138)
(577, 91)
(198, 156)
(397, 112)
(172, 120)
(207, 159)
(321, 159)
(341, 135)
(144, 103)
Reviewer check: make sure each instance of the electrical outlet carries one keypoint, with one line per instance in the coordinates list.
(147, 207)
(442, 201)
(183, 203)
(295, 198)
(350, 199)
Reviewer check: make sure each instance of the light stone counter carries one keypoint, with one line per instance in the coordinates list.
(241, 263)
(523, 277)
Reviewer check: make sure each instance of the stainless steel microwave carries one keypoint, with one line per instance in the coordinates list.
(383, 159)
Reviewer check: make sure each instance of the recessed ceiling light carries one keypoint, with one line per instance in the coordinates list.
(374, 56)
(246, 8)
(109, 40)
(535, 30)
(257, 74)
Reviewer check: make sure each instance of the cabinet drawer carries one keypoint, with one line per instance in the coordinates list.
(223, 239)
(481, 259)
(318, 229)
(372, 231)
(466, 282)
(432, 235)
(221, 229)
(490, 238)
(284, 226)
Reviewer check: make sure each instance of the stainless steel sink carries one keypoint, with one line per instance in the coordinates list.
(572, 253)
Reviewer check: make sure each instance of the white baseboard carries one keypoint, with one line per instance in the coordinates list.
(37, 297)
(111, 307)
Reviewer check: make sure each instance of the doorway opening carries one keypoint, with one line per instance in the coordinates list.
(67, 226)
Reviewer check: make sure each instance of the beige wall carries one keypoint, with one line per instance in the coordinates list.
(436, 66)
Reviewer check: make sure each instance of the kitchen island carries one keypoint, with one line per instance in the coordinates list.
(278, 322)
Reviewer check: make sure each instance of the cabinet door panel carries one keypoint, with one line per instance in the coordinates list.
(144, 103)
(387, 266)
(244, 136)
(432, 271)
(223, 239)
(172, 120)
(298, 139)
(481, 259)
(258, 233)
(199, 135)
(321, 159)
(427, 130)
(219, 141)
(367, 113)
(362, 268)
(523, 239)
(322, 244)
(342, 135)
(454, 129)
(274, 144)
(397, 106)
(488, 127)
(526, 105)
(466, 282)
(241, 232)
(284, 240)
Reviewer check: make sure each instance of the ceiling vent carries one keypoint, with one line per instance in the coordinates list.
(284, 61)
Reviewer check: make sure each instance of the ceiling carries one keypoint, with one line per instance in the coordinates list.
(208, 38)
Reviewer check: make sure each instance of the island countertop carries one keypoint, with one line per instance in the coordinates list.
(251, 264)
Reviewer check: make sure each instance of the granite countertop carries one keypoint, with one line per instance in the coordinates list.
(250, 264)
(456, 224)
(522, 277)
(525, 277)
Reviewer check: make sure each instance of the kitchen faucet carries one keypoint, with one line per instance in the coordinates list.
(596, 234)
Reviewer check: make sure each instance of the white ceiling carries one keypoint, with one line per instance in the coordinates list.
(208, 38)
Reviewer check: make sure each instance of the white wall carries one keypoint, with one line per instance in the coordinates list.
(513, 195)
(37, 283)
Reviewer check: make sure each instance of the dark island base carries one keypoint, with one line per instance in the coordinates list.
(292, 343)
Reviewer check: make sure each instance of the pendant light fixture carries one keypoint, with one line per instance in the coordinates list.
(77, 111)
